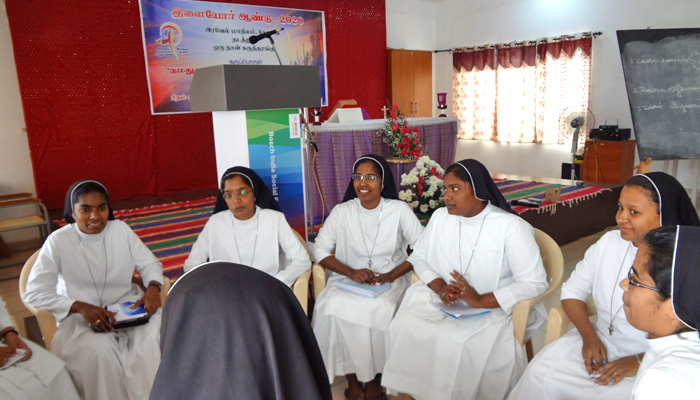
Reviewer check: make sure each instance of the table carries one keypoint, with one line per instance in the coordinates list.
(340, 144)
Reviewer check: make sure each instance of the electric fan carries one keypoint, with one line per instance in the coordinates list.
(571, 122)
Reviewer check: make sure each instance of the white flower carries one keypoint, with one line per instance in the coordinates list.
(402, 195)
(419, 163)
(433, 204)
(430, 192)
(409, 193)
(424, 208)
(414, 204)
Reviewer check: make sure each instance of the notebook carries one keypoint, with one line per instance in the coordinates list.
(370, 291)
(125, 317)
(19, 355)
(460, 309)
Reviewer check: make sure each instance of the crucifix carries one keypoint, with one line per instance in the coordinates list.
(385, 109)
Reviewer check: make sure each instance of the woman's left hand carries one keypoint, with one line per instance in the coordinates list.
(467, 293)
(382, 278)
(150, 300)
(13, 342)
(615, 371)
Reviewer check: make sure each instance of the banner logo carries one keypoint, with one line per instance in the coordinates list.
(170, 35)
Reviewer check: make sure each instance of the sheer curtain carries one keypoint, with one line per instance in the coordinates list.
(474, 93)
(520, 97)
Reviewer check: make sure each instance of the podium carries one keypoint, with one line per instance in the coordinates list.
(255, 114)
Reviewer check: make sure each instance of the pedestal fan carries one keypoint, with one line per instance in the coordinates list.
(571, 122)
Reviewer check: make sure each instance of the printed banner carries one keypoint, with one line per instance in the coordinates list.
(274, 151)
(181, 36)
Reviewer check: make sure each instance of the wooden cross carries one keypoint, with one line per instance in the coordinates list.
(385, 109)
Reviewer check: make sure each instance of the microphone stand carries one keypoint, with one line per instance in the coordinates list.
(275, 49)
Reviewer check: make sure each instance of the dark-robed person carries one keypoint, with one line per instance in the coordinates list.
(84, 267)
(369, 231)
(478, 252)
(248, 228)
(232, 332)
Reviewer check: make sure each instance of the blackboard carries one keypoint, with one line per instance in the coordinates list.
(662, 74)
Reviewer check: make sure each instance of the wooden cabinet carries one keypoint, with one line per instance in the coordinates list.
(410, 81)
(608, 162)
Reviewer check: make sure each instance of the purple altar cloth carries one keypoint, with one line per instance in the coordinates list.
(341, 144)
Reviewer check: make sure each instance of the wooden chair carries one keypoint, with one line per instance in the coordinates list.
(559, 322)
(301, 285)
(553, 261)
(47, 323)
(39, 217)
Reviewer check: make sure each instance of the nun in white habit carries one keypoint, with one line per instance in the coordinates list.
(248, 228)
(39, 375)
(370, 231)
(572, 367)
(478, 250)
(83, 267)
(661, 298)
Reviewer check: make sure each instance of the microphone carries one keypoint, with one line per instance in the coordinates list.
(256, 38)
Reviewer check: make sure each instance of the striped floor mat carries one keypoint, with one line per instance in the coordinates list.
(169, 230)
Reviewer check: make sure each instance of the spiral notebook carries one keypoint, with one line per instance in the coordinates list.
(361, 289)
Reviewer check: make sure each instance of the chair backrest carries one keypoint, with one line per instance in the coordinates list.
(24, 276)
(552, 258)
(303, 242)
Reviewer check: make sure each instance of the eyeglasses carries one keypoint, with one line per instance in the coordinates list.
(633, 283)
(369, 177)
(240, 193)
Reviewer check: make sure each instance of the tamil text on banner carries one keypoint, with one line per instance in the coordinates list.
(181, 36)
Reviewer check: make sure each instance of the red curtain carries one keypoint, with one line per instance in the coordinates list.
(82, 79)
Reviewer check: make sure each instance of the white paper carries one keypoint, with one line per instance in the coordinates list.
(19, 355)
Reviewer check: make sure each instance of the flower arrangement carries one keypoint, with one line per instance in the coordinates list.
(425, 180)
(403, 141)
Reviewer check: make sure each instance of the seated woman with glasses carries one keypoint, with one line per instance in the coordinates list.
(370, 231)
(661, 298)
(592, 360)
(248, 228)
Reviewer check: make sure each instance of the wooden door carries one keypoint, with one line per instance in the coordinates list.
(423, 83)
(400, 79)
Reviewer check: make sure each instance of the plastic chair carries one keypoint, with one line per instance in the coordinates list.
(553, 261)
(301, 285)
(559, 322)
(39, 218)
(47, 323)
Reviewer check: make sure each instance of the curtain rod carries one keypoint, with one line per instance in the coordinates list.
(594, 34)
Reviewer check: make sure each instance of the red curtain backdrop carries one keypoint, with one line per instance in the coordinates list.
(82, 79)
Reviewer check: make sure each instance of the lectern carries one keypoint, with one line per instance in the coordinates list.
(255, 113)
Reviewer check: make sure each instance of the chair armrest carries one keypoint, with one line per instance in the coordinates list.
(319, 276)
(521, 313)
(590, 305)
(301, 290)
(414, 278)
(8, 203)
(557, 325)
(47, 326)
(164, 289)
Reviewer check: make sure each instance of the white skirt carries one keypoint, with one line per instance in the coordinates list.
(558, 373)
(433, 356)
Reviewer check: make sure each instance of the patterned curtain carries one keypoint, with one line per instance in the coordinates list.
(522, 96)
(563, 81)
(474, 93)
(515, 106)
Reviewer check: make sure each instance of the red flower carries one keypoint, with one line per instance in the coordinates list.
(411, 153)
(407, 139)
(405, 123)
(420, 179)
(403, 130)
(402, 114)
(415, 141)
(417, 134)
(433, 171)
(403, 152)
(420, 192)
(396, 107)
(394, 126)
(415, 129)
(439, 176)
(419, 185)
(393, 113)
(399, 144)
(393, 119)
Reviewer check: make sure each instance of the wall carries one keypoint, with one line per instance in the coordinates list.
(15, 166)
(410, 24)
(461, 23)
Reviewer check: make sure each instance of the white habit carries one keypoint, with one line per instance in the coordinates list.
(118, 365)
(265, 242)
(433, 356)
(43, 376)
(558, 371)
(670, 369)
(351, 330)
